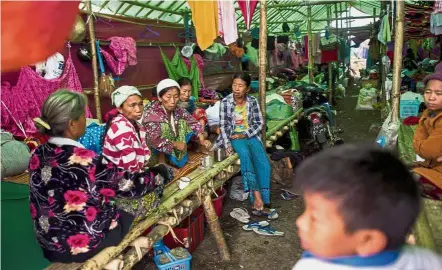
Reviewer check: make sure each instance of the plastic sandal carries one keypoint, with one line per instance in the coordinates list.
(267, 231)
(271, 214)
(242, 211)
(253, 225)
(241, 216)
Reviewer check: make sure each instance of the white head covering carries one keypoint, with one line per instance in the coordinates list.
(120, 95)
(166, 83)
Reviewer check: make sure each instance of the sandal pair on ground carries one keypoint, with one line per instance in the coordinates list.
(261, 227)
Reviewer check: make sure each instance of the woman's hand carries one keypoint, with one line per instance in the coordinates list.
(179, 146)
(229, 151)
(238, 136)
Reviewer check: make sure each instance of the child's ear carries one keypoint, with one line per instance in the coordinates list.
(370, 242)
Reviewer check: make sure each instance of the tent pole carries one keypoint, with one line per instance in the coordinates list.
(263, 63)
(94, 63)
(397, 65)
(330, 67)
(310, 47)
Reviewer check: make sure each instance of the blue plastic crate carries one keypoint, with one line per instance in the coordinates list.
(408, 108)
(175, 264)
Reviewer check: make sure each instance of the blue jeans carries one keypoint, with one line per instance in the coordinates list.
(255, 167)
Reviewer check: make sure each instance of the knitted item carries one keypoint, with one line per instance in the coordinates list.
(437, 75)
(124, 54)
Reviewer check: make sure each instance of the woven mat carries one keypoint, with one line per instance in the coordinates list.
(191, 165)
(18, 179)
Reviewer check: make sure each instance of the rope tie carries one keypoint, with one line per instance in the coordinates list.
(171, 231)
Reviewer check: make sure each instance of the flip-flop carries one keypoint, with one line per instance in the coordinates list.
(272, 214)
(253, 225)
(267, 231)
(242, 211)
(241, 216)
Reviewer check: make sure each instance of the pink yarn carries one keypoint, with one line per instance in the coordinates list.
(124, 52)
(199, 63)
(26, 98)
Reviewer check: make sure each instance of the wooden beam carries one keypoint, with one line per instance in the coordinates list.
(320, 20)
(303, 4)
(94, 63)
(397, 65)
(138, 4)
(263, 63)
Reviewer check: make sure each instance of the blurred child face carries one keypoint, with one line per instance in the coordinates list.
(185, 92)
(433, 95)
(322, 229)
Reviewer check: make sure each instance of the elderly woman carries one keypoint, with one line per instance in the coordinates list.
(72, 192)
(125, 146)
(427, 141)
(169, 128)
(241, 124)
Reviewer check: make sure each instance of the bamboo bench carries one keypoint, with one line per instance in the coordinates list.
(428, 227)
(203, 183)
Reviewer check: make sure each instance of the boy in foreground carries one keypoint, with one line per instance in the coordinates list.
(360, 203)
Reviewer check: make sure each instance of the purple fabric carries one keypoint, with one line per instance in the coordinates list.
(25, 100)
(124, 52)
(199, 63)
(208, 93)
(437, 75)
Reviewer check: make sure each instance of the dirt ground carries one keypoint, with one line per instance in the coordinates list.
(251, 251)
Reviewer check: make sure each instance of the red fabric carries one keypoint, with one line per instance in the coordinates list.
(390, 55)
(329, 56)
(249, 5)
(411, 121)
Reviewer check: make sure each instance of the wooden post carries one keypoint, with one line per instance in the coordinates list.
(310, 47)
(215, 228)
(263, 64)
(330, 67)
(94, 61)
(397, 65)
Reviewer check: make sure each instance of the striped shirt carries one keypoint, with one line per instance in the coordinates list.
(124, 147)
(409, 258)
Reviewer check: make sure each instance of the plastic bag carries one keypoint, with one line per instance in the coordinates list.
(277, 110)
(237, 190)
(387, 137)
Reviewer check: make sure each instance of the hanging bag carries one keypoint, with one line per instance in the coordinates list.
(15, 155)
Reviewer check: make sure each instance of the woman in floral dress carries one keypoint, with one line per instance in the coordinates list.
(72, 192)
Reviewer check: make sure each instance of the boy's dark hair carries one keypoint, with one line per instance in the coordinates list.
(184, 81)
(373, 189)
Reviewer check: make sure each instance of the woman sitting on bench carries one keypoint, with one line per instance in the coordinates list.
(72, 192)
(169, 128)
(427, 141)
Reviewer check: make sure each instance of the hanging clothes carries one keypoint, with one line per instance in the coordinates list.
(252, 53)
(124, 54)
(177, 69)
(247, 9)
(205, 19)
(227, 21)
(199, 63)
(27, 97)
(384, 35)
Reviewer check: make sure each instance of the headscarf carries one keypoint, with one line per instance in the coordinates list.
(437, 75)
(121, 94)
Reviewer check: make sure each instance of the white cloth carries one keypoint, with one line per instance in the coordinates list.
(166, 83)
(54, 66)
(60, 141)
(120, 95)
(411, 258)
(227, 27)
(212, 114)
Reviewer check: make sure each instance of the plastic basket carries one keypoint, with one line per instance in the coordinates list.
(175, 264)
(409, 108)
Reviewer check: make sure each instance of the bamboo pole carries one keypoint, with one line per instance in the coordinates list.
(397, 65)
(263, 63)
(94, 62)
(330, 68)
(310, 47)
(215, 227)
